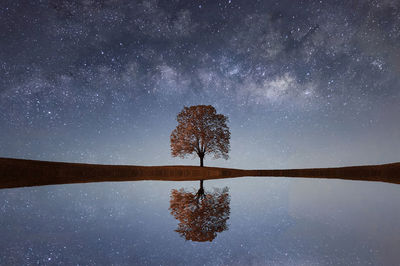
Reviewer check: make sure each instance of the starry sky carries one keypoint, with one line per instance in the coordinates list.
(304, 83)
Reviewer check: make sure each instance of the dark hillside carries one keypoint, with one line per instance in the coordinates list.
(23, 173)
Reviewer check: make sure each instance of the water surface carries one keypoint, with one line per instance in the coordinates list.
(274, 221)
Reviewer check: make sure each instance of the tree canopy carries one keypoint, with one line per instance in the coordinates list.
(201, 131)
(200, 216)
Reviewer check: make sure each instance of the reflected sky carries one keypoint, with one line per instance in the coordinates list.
(275, 221)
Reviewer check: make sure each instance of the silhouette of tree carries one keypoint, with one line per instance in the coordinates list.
(201, 215)
(200, 131)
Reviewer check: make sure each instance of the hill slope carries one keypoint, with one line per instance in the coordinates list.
(22, 173)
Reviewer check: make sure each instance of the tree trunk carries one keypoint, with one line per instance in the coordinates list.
(201, 160)
(200, 193)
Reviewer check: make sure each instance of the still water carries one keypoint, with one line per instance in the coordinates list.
(239, 221)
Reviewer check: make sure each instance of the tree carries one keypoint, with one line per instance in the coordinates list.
(200, 131)
(201, 215)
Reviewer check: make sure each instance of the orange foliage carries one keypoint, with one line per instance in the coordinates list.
(200, 131)
(200, 217)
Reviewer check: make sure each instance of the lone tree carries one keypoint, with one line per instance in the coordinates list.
(200, 131)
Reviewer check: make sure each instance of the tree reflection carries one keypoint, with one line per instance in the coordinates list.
(201, 215)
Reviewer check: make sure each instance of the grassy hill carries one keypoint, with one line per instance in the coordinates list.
(22, 173)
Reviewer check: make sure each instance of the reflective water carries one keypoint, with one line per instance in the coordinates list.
(242, 221)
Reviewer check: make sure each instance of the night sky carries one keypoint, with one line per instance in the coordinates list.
(304, 83)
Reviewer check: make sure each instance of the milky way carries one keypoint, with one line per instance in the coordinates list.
(304, 83)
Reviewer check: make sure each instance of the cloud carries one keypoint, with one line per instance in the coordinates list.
(257, 37)
(183, 24)
(261, 59)
(282, 89)
(154, 21)
(169, 81)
